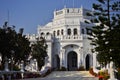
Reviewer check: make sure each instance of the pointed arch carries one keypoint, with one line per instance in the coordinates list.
(87, 61)
(72, 61)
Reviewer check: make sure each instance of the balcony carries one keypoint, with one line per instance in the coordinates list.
(69, 37)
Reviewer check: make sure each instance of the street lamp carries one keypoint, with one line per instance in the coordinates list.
(0, 58)
(112, 77)
(12, 53)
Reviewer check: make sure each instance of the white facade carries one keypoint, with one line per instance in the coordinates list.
(67, 39)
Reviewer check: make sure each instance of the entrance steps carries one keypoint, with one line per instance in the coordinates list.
(69, 75)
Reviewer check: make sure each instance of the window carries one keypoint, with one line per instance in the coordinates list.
(54, 33)
(69, 31)
(47, 33)
(75, 31)
(58, 32)
(83, 31)
(42, 33)
(62, 32)
(89, 31)
(67, 10)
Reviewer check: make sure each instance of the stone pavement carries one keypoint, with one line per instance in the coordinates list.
(68, 75)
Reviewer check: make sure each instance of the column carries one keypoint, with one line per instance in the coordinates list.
(62, 58)
(60, 55)
(81, 56)
(94, 61)
(78, 57)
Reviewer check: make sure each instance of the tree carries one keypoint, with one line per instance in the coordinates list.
(105, 34)
(13, 45)
(22, 48)
(39, 51)
(7, 41)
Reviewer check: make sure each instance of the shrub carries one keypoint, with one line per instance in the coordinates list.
(16, 68)
(118, 70)
(103, 74)
(81, 68)
(63, 69)
(92, 72)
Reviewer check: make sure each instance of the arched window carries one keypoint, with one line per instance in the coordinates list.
(69, 31)
(88, 31)
(58, 32)
(83, 32)
(67, 10)
(75, 31)
(54, 33)
(62, 32)
(42, 33)
(47, 33)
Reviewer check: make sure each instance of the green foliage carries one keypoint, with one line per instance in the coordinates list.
(16, 68)
(81, 68)
(39, 51)
(104, 74)
(92, 72)
(13, 45)
(63, 68)
(105, 34)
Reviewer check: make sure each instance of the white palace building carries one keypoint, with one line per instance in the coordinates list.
(67, 39)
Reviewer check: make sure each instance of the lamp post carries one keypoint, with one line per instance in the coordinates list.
(12, 53)
(22, 69)
(112, 76)
(0, 58)
(6, 64)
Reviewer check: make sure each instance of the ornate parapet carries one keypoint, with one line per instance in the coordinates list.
(33, 37)
(69, 37)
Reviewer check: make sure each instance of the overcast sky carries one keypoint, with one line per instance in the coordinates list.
(28, 14)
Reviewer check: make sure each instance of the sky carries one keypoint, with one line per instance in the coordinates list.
(28, 14)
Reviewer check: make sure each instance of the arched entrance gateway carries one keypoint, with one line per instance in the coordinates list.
(58, 62)
(87, 62)
(72, 61)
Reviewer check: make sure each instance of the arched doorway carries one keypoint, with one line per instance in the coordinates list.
(87, 62)
(57, 62)
(72, 61)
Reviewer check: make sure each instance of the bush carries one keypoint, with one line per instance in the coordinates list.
(118, 74)
(81, 68)
(92, 72)
(103, 74)
(16, 68)
(63, 69)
